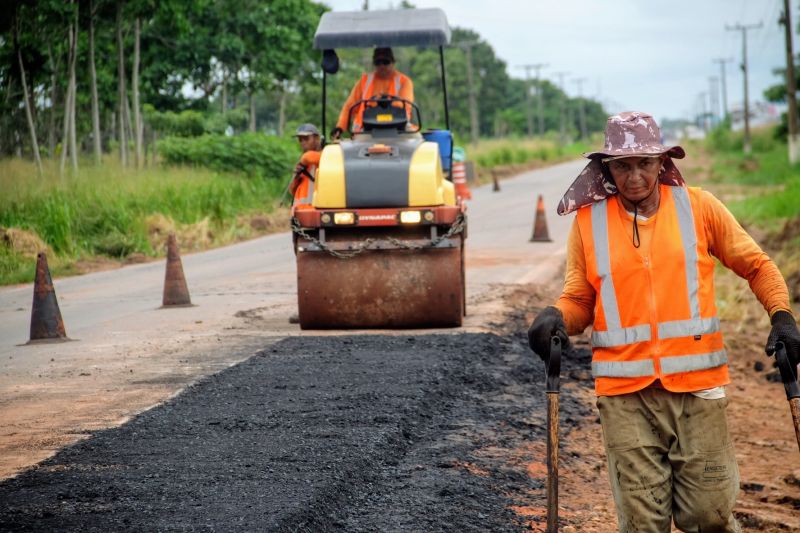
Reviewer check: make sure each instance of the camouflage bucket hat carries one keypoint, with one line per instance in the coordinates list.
(628, 134)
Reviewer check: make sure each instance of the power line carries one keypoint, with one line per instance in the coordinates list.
(473, 104)
(723, 83)
(581, 110)
(540, 110)
(744, 28)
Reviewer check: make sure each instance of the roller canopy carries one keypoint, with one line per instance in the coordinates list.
(366, 29)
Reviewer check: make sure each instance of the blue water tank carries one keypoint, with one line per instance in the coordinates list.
(445, 141)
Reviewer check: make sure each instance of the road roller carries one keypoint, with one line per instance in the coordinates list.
(382, 245)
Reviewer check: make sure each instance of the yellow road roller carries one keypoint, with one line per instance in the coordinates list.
(382, 245)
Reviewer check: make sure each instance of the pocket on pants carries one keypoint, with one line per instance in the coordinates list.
(619, 430)
(705, 425)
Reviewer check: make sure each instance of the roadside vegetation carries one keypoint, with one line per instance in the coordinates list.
(111, 214)
(763, 191)
(763, 186)
(120, 121)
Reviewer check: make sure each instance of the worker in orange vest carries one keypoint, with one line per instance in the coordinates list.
(384, 80)
(640, 271)
(302, 185)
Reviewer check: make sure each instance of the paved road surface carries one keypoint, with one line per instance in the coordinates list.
(130, 355)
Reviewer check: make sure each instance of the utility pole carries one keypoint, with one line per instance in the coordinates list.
(723, 83)
(713, 100)
(791, 86)
(473, 105)
(562, 108)
(581, 110)
(743, 28)
(540, 110)
(701, 98)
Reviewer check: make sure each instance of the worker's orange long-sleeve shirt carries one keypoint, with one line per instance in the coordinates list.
(727, 240)
(381, 86)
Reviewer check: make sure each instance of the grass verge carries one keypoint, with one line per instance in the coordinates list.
(122, 214)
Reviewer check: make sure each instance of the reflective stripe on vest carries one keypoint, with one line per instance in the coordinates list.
(618, 336)
(623, 369)
(310, 195)
(312, 169)
(367, 93)
(686, 363)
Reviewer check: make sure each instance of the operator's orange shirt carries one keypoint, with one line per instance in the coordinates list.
(380, 86)
(728, 242)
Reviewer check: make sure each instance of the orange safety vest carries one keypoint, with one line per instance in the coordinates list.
(304, 193)
(367, 92)
(655, 317)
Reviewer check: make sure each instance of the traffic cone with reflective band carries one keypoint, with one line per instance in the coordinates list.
(540, 233)
(176, 293)
(495, 182)
(460, 181)
(46, 322)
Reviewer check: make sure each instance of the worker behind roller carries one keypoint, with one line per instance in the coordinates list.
(384, 80)
(302, 184)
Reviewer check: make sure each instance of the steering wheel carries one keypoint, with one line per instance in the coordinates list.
(384, 101)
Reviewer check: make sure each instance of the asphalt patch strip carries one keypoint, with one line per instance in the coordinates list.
(366, 433)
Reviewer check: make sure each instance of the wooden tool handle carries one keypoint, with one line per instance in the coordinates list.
(552, 462)
(794, 405)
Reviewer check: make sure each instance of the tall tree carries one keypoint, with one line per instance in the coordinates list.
(137, 110)
(122, 96)
(26, 97)
(96, 139)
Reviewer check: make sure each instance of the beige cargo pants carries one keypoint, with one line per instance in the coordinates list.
(670, 457)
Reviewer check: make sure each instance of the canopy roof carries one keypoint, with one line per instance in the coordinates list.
(396, 27)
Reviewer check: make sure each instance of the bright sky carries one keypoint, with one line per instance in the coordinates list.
(652, 56)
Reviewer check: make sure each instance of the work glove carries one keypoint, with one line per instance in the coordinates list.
(547, 323)
(784, 329)
(336, 133)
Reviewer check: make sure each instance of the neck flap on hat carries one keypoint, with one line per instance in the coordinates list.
(594, 185)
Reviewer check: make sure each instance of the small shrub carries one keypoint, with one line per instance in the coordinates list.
(250, 153)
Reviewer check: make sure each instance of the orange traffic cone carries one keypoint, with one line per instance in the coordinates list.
(460, 181)
(46, 322)
(540, 233)
(176, 293)
(495, 182)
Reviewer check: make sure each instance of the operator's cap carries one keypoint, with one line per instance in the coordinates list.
(305, 130)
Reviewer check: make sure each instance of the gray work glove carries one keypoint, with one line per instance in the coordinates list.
(546, 324)
(784, 329)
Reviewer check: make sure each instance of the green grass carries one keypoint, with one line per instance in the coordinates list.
(490, 153)
(771, 185)
(108, 210)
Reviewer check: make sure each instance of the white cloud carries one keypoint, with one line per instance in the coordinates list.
(651, 56)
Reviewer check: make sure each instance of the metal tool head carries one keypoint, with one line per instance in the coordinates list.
(788, 372)
(553, 365)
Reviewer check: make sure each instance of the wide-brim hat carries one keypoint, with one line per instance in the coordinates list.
(628, 134)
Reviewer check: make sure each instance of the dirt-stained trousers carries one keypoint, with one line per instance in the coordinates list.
(670, 457)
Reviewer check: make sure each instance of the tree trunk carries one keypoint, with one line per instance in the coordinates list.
(28, 114)
(282, 109)
(252, 111)
(122, 96)
(224, 92)
(67, 105)
(98, 147)
(73, 145)
(137, 112)
(113, 128)
(51, 127)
